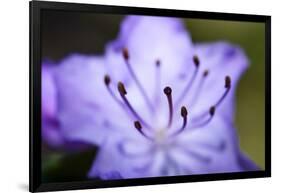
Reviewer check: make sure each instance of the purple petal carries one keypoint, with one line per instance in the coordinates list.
(210, 149)
(86, 110)
(149, 39)
(50, 126)
(49, 92)
(111, 163)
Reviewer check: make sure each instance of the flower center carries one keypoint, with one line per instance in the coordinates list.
(160, 137)
(145, 128)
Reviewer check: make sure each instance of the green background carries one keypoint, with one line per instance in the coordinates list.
(68, 32)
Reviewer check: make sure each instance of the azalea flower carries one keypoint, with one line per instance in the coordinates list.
(155, 103)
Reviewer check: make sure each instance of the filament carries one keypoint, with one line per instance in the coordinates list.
(197, 93)
(145, 96)
(168, 92)
(123, 92)
(184, 117)
(157, 81)
(190, 82)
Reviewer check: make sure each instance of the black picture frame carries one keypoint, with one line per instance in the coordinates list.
(36, 8)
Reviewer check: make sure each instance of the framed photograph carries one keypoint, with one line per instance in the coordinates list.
(125, 96)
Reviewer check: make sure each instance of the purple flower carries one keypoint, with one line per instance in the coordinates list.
(155, 103)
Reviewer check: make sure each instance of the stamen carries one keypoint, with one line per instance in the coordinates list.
(123, 92)
(145, 96)
(157, 82)
(189, 84)
(197, 93)
(168, 92)
(184, 116)
(138, 126)
(227, 86)
(107, 82)
(207, 121)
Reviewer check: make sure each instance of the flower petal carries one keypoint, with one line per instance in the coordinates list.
(211, 149)
(50, 128)
(149, 39)
(49, 102)
(86, 110)
(111, 163)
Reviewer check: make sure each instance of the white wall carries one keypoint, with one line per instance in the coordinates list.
(14, 94)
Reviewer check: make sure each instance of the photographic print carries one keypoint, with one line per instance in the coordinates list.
(126, 96)
(132, 96)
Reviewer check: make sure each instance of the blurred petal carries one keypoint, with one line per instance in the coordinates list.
(49, 92)
(50, 126)
(86, 108)
(246, 163)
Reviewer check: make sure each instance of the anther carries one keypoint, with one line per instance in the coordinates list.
(205, 73)
(196, 60)
(168, 92)
(227, 82)
(157, 63)
(138, 126)
(183, 111)
(107, 80)
(121, 89)
(157, 85)
(212, 110)
(125, 53)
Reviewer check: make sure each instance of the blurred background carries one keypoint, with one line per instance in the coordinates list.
(67, 32)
